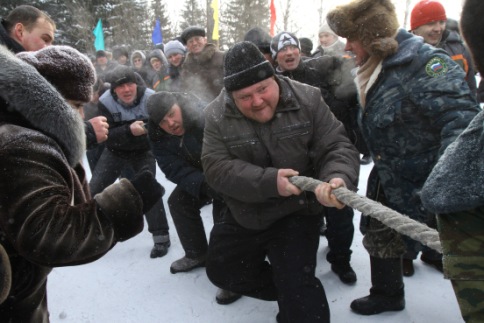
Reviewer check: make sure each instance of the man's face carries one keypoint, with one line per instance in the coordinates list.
(156, 64)
(138, 62)
(196, 44)
(431, 32)
(288, 58)
(175, 59)
(172, 123)
(126, 92)
(102, 61)
(122, 60)
(361, 55)
(327, 39)
(259, 101)
(41, 35)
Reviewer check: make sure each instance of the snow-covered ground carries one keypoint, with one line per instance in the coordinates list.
(127, 286)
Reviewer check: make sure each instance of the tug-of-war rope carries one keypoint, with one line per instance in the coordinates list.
(398, 222)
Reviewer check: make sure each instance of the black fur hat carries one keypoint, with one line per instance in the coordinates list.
(190, 32)
(120, 75)
(69, 71)
(244, 65)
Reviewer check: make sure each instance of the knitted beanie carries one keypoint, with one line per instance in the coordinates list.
(426, 11)
(120, 75)
(159, 104)
(174, 47)
(244, 65)
(190, 32)
(373, 22)
(282, 40)
(326, 29)
(69, 71)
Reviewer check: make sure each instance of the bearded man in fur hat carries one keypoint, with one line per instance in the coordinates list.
(415, 102)
(47, 215)
(454, 191)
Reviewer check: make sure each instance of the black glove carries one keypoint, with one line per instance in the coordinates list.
(148, 188)
(207, 191)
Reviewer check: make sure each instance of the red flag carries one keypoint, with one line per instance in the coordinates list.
(273, 17)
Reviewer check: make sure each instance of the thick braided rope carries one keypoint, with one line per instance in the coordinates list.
(398, 222)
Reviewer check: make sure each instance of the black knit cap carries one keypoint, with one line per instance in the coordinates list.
(159, 104)
(120, 75)
(190, 32)
(244, 65)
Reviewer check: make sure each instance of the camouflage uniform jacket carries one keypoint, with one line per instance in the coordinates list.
(418, 105)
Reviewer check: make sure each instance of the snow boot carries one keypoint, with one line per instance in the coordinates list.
(160, 249)
(387, 291)
(225, 297)
(186, 264)
(344, 271)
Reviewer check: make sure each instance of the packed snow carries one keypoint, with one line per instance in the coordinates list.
(127, 286)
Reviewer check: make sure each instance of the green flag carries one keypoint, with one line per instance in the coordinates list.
(99, 36)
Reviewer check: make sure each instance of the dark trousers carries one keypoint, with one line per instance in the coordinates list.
(237, 262)
(109, 167)
(185, 212)
(339, 232)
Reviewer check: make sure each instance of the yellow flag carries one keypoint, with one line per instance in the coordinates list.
(214, 6)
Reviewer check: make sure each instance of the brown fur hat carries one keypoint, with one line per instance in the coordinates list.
(373, 22)
(68, 70)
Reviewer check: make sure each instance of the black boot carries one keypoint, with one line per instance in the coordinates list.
(387, 291)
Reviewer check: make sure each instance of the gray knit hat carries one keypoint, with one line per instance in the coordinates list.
(174, 47)
(69, 71)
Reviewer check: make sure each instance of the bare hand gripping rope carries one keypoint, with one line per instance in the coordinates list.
(398, 222)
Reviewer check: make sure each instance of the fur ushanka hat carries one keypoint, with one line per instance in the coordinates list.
(373, 22)
(71, 72)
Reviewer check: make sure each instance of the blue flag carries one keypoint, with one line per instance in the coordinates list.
(156, 36)
(99, 36)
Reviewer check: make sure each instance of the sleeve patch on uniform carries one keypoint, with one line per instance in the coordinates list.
(436, 67)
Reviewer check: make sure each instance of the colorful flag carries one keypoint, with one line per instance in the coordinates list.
(273, 17)
(156, 35)
(98, 36)
(214, 6)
